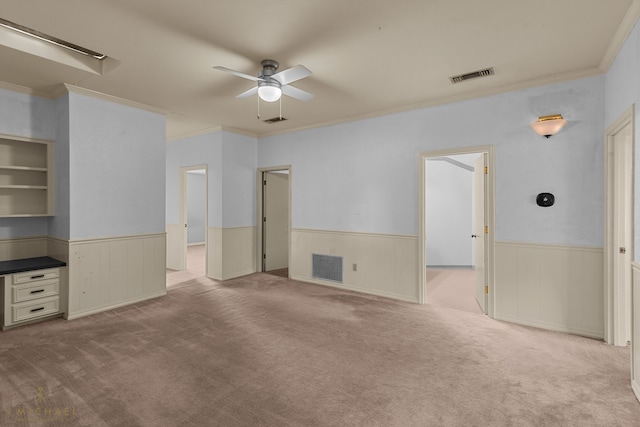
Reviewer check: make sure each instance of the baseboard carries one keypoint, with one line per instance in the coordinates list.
(97, 310)
(636, 389)
(452, 267)
(551, 327)
(354, 289)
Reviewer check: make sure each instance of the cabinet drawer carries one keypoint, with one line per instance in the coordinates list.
(31, 276)
(34, 309)
(38, 289)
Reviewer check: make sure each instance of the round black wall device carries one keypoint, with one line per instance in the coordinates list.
(545, 200)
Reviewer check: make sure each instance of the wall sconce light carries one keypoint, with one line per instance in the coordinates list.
(548, 125)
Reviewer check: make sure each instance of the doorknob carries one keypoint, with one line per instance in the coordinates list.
(474, 236)
(623, 250)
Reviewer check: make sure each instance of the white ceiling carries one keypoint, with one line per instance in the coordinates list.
(368, 57)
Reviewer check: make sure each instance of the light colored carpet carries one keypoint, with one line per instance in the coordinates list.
(452, 288)
(266, 351)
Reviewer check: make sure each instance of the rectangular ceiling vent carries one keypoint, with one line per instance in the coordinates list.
(275, 120)
(474, 75)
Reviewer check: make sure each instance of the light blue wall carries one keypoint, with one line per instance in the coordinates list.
(60, 224)
(194, 151)
(117, 169)
(623, 91)
(363, 176)
(232, 161)
(239, 164)
(32, 117)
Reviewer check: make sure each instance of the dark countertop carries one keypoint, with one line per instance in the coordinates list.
(28, 264)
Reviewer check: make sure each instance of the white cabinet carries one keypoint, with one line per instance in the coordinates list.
(30, 295)
(26, 177)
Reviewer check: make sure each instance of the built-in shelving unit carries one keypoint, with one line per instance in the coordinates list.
(26, 177)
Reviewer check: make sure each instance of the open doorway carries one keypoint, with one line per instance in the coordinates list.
(619, 230)
(456, 235)
(196, 213)
(274, 220)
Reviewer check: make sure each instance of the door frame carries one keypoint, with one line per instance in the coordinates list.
(611, 288)
(183, 213)
(489, 203)
(260, 215)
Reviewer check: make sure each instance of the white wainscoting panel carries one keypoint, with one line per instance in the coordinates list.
(231, 252)
(238, 251)
(214, 253)
(386, 265)
(112, 272)
(560, 288)
(59, 249)
(635, 330)
(175, 245)
(29, 247)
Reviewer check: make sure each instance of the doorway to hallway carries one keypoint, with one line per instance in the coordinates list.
(456, 233)
(274, 207)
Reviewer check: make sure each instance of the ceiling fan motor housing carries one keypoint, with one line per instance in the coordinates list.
(269, 67)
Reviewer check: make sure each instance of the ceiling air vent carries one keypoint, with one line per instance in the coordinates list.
(275, 120)
(474, 75)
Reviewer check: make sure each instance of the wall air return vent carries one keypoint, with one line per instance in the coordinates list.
(275, 120)
(474, 75)
(326, 267)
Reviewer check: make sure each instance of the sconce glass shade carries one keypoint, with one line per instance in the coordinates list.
(269, 92)
(548, 125)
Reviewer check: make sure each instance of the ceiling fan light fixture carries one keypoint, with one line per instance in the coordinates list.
(548, 126)
(269, 91)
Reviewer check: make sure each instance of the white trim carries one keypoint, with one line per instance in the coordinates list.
(549, 246)
(61, 90)
(355, 233)
(623, 31)
(85, 313)
(25, 90)
(105, 239)
(490, 218)
(635, 332)
(26, 139)
(354, 289)
(260, 213)
(207, 131)
(609, 313)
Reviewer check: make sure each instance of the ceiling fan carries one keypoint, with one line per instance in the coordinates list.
(271, 84)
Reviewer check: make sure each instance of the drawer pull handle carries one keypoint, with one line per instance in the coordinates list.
(37, 309)
(39, 276)
(37, 291)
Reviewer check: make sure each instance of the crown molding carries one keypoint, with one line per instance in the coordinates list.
(208, 130)
(67, 88)
(624, 29)
(25, 90)
(192, 134)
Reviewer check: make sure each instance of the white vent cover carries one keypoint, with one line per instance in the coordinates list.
(326, 267)
(473, 75)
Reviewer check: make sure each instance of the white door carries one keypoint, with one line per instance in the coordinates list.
(622, 236)
(275, 221)
(479, 238)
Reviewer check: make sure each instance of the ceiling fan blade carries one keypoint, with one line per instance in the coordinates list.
(238, 73)
(292, 74)
(248, 93)
(296, 93)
